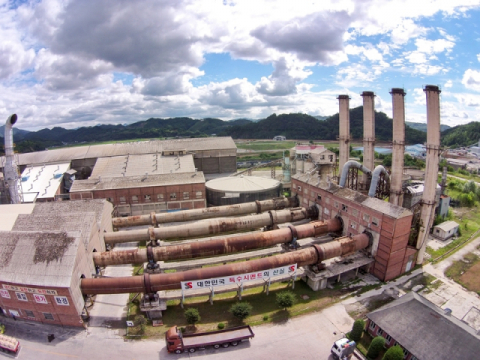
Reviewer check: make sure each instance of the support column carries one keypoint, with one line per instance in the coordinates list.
(398, 146)
(431, 171)
(344, 131)
(368, 134)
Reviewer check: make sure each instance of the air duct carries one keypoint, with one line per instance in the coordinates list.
(375, 178)
(151, 283)
(344, 130)
(431, 169)
(347, 166)
(368, 133)
(398, 151)
(10, 169)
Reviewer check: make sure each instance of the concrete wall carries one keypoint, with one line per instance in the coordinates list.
(214, 164)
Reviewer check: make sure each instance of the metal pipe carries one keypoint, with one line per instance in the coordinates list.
(149, 283)
(11, 170)
(344, 130)
(256, 207)
(427, 213)
(368, 133)
(348, 165)
(219, 246)
(375, 178)
(398, 146)
(212, 226)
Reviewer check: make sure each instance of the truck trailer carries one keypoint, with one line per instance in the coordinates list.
(177, 342)
(9, 344)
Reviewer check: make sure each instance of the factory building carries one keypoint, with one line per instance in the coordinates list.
(45, 251)
(309, 157)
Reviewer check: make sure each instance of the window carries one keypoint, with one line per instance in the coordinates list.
(21, 296)
(326, 211)
(173, 196)
(299, 188)
(405, 353)
(134, 199)
(355, 212)
(330, 157)
(29, 313)
(48, 316)
(344, 208)
(305, 191)
(327, 200)
(186, 195)
(388, 338)
(335, 204)
(159, 197)
(353, 225)
(319, 197)
(379, 332)
(413, 358)
(123, 200)
(147, 198)
(322, 157)
(375, 221)
(366, 217)
(198, 194)
(372, 325)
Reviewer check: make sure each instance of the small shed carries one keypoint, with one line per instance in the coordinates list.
(445, 230)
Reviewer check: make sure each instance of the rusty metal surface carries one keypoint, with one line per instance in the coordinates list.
(219, 246)
(206, 213)
(156, 282)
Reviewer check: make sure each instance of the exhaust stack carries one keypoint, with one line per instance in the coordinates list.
(431, 171)
(398, 151)
(344, 131)
(368, 133)
(11, 170)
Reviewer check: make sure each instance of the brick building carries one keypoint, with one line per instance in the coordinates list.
(389, 224)
(45, 249)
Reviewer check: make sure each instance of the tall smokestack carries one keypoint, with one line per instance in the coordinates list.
(431, 170)
(344, 131)
(398, 151)
(368, 133)
(10, 169)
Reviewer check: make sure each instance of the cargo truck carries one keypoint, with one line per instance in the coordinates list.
(343, 349)
(9, 344)
(177, 342)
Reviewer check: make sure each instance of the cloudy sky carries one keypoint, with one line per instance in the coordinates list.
(88, 62)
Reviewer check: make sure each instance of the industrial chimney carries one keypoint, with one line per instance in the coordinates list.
(368, 133)
(398, 151)
(431, 170)
(344, 131)
(10, 169)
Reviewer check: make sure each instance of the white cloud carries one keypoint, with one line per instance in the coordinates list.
(448, 84)
(471, 79)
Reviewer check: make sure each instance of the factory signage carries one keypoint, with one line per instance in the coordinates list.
(5, 293)
(40, 299)
(61, 300)
(30, 290)
(238, 279)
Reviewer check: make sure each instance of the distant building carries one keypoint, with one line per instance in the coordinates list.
(279, 138)
(445, 230)
(307, 157)
(423, 330)
(43, 183)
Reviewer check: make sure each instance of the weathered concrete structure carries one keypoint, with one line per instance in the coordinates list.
(398, 150)
(368, 134)
(344, 133)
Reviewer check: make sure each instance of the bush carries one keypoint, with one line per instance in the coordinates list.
(265, 317)
(192, 316)
(221, 326)
(285, 299)
(241, 310)
(141, 321)
(394, 353)
(376, 346)
(357, 330)
(182, 329)
(2, 328)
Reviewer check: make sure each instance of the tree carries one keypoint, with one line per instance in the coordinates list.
(285, 299)
(394, 353)
(192, 316)
(375, 347)
(357, 330)
(241, 310)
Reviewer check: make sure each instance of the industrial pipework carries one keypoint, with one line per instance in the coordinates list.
(347, 166)
(344, 130)
(398, 146)
(375, 178)
(151, 283)
(206, 213)
(368, 133)
(11, 170)
(219, 246)
(431, 169)
(213, 226)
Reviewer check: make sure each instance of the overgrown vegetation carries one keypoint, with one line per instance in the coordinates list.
(357, 330)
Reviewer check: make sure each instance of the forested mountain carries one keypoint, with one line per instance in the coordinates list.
(423, 126)
(462, 135)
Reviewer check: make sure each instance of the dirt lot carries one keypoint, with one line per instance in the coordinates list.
(471, 279)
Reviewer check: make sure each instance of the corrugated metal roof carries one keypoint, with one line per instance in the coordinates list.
(242, 184)
(394, 211)
(42, 182)
(137, 165)
(447, 225)
(119, 149)
(137, 181)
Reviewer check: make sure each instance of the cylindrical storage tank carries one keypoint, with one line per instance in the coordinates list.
(241, 189)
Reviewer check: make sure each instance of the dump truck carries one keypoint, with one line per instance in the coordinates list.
(9, 344)
(177, 342)
(343, 349)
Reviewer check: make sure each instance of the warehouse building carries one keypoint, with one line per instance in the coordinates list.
(45, 249)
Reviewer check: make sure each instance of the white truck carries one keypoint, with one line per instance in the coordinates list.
(343, 349)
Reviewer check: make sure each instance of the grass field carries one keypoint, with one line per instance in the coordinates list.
(266, 145)
(466, 271)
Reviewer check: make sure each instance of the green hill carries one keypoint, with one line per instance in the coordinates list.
(462, 135)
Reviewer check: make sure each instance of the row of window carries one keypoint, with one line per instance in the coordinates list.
(39, 299)
(160, 197)
(388, 339)
(31, 315)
